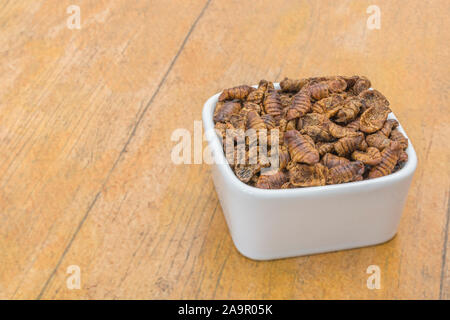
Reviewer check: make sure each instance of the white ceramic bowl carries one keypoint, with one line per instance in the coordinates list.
(272, 224)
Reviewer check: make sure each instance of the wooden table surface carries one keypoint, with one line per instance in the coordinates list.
(86, 117)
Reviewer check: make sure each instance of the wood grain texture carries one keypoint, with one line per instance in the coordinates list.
(85, 126)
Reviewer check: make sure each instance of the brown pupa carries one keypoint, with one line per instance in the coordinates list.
(301, 149)
(349, 110)
(371, 157)
(257, 96)
(304, 175)
(272, 181)
(378, 140)
(324, 147)
(239, 92)
(330, 160)
(246, 172)
(396, 135)
(272, 105)
(300, 105)
(348, 144)
(389, 158)
(338, 131)
(361, 84)
(373, 118)
(330, 105)
(388, 126)
(291, 85)
(254, 121)
(224, 111)
(347, 172)
(337, 85)
(319, 90)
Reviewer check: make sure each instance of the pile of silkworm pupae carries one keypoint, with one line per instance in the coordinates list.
(329, 130)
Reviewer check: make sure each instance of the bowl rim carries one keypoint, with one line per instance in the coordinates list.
(221, 163)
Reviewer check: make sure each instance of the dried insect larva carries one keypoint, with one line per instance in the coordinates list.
(318, 133)
(290, 85)
(347, 172)
(348, 144)
(330, 106)
(324, 147)
(308, 175)
(378, 140)
(226, 110)
(257, 96)
(272, 105)
(269, 121)
(361, 84)
(300, 105)
(240, 93)
(338, 131)
(330, 160)
(251, 106)
(348, 111)
(286, 100)
(351, 81)
(246, 172)
(389, 158)
(272, 181)
(254, 121)
(388, 126)
(319, 90)
(396, 135)
(300, 148)
(373, 98)
(267, 85)
(337, 85)
(373, 118)
(371, 157)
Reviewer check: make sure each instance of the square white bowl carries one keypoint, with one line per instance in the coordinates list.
(272, 224)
